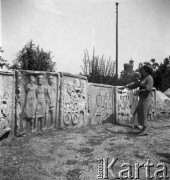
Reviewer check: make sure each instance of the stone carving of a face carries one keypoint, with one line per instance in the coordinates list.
(51, 80)
(100, 93)
(40, 80)
(82, 84)
(107, 96)
(32, 79)
(76, 83)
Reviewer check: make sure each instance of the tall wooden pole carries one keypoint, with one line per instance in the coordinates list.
(117, 43)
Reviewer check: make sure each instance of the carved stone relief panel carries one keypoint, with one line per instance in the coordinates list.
(123, 104)
(7, 102)
(73, 102)
(127, 104)
(37, 101)
(101, 103)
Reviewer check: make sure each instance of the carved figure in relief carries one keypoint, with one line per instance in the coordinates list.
(30, 106)
(20, 96)
(4, 119)
(123, 104)
(18, 107)
(82, 98)
(104, 106)
(76, 87)
(107, 106)
(67, 109)
(51, 102)
(71, 108)
(99, 108)
(41, 95)
(4, 105)
(75, 101)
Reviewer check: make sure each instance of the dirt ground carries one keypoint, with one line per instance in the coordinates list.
(73, 154)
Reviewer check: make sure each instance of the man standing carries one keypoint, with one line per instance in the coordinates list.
(41, 94)
(51, 93)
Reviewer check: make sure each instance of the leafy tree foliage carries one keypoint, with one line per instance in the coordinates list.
(32, 57)
(98, 70)
(161, 73)
(152, 64)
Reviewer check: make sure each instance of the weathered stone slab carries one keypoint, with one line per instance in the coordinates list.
(32, 101)
(37, 96)
(73, 101)
(126, 105)
(101, 103)
(123, 111)
(7, 102)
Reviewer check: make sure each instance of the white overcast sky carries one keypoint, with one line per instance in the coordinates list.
(68, 27)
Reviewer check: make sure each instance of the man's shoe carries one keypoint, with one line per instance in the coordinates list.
(142, 134)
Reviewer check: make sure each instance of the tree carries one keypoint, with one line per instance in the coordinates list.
(152, 64)
(98, 70)
(32, 57)
(161, 73)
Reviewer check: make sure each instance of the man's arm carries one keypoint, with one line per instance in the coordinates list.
(133, 85)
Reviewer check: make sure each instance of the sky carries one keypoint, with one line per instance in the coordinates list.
(68, 27)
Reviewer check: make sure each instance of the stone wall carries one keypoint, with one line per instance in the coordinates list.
(73, 101)
(101, 103)
(123, 106)
(7, 102)
(34, 102)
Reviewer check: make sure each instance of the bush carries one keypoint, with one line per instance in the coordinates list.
(98, 70)
(31, 57)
